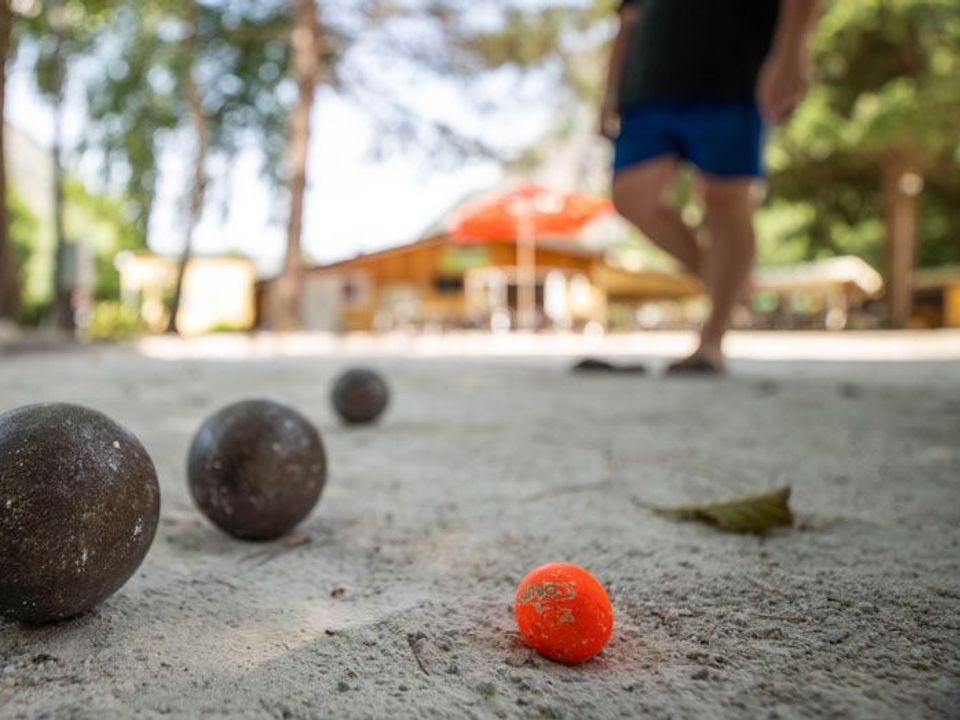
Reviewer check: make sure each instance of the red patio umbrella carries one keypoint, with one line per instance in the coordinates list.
(549, 213)
(522, 215)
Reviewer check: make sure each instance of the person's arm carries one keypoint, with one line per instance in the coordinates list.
(610, 110)
(786, 71)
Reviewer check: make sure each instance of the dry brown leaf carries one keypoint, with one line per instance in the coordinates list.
(748, 514)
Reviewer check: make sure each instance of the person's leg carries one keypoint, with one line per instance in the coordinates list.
(725, 143)
(639, 195)
(729, 206)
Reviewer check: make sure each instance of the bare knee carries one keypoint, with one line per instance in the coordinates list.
(638, 194)
(728, 215)
(728, 198)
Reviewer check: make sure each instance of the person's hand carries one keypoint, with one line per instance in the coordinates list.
(782, 84)
(608, 123)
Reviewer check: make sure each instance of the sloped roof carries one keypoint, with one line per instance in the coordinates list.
(848, 271)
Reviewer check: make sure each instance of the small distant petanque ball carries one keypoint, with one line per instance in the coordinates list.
(360, 396)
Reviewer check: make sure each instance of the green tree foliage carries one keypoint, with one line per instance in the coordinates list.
(60, 32)
(99, 222)
(235, 54)
(9, 266)
(207, 74)
(63, 30)
(106, 228)
(24, 227)
(886, 84)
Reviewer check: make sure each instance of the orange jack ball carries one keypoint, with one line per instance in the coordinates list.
(563, 612)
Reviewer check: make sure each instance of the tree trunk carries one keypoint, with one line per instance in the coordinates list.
(902, 185)
(199, 185)
(9, 272)
(63, 285)
(305, 40)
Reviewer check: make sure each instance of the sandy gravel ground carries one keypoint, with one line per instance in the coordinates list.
(493, 459)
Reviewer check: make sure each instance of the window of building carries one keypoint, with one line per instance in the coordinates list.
(448, 284)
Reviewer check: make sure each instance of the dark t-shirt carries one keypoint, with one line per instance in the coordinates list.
(696, 50)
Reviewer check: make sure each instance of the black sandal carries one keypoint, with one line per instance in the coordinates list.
(593, 365)
(695, 367)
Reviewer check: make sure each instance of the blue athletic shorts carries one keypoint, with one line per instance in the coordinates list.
(719, 139)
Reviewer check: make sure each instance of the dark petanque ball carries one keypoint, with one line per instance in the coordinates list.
(360, 395)
(79, 504)
(256, 469)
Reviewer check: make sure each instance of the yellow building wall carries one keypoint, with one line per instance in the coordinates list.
(951, 306)
(217, 294)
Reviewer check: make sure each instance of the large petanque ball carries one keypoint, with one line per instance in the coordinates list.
(360, 396)
(79, 504)
(256, 468)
